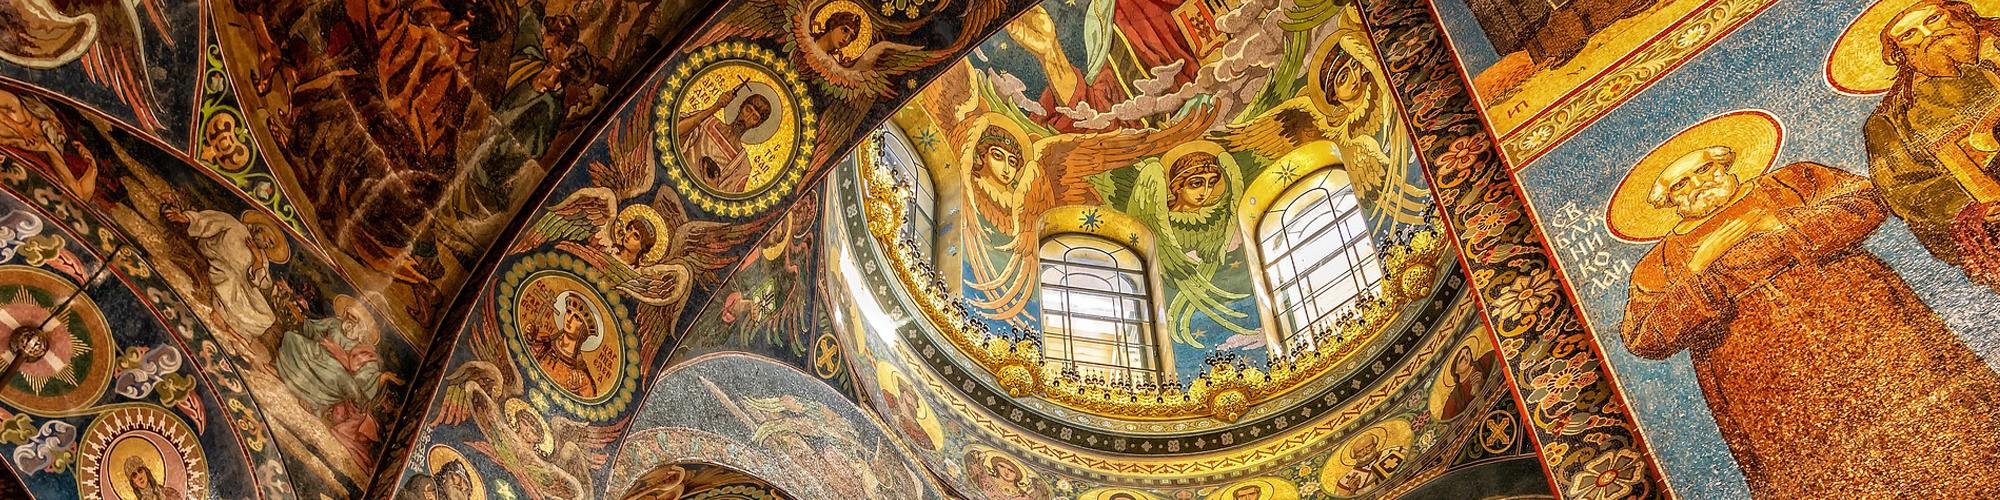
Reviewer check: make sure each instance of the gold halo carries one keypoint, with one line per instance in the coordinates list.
(1106, 492)
(1441, 388)
(1754, 134)
(1855, 64)
(886, 376)
(441, 454)
(259, 221)
(1222, 158)
(1392, 433)
(862, 37)
(1274, 488)
(652, 218)
(517, 406)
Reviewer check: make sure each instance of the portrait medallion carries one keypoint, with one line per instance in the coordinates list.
(1462, 379)
(565, 332)
(1367, 460)
(1116, 494)
(449, 469)
(63, 348)
(1263, 488)
(734, 128)
(140, 452)
(908, 413)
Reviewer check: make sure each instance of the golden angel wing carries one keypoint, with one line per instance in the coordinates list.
(1068, 159)
(1278, 131)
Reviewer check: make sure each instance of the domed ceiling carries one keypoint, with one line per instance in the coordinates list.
(1063, 249)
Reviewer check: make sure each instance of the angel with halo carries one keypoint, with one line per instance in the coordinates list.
(1012, 177)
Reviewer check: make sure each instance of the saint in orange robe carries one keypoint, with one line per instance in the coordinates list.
(1826, 374)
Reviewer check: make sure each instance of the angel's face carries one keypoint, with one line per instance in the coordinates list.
(1197, 191)
(1003, 163)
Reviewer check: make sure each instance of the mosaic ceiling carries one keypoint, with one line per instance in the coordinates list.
(1005, 249)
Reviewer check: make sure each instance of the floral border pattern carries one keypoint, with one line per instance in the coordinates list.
(1590, 444)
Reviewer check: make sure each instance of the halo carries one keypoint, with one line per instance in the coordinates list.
(1273, 488)
(1222, 158)
(1316, 66)
(862, 37)
(1754, 134)
(977, 128)
(1390, 433)
(639, 211)
(515, 407)
(262, 223)
(1855, 64)
(763, 131)
(1106, 492)
(597, 320)
(440, 454)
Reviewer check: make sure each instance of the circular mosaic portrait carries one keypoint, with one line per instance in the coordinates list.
(562, 329)
(140, 452)
(734, 129)
(63, 363)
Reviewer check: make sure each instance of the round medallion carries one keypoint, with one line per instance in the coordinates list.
(1367, 460)
(573, 341)
(140, 452)
(64, 360)
(733, 128)
(826, 356)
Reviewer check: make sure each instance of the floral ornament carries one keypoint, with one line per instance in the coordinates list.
(1612, 475)
(51, 450)
(1526, 294)
(1560, 383)
(40, 249)
(1461, 155)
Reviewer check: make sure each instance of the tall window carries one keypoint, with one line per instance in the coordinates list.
(1095, 308)
(1318, 257)
(895, 152)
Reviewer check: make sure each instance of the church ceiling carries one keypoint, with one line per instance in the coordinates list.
(821, 249)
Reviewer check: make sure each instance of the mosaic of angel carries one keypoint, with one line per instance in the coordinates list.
(651, 252)
(106, 35)
(842, 47)
(1012, 177)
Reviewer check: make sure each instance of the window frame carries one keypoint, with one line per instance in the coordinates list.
(895, 149)
(1298, 284)
(1131, 342)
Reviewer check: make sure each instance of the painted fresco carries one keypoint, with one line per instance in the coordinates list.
(139, 62)
(1800, 213)
(776, 423)
(299, 349)
(102, 398)
(408, 133)
(1156, 126)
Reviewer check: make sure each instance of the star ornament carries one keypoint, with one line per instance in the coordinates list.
(59, 343)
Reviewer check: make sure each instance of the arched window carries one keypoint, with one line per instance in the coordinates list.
(895, 151)
(1318, 256)
(1096, 308)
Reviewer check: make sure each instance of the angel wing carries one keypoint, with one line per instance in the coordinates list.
(477, 385)
(752, 19)
(1067, 160)
(583, 216)
(1284, 128)
(630, 172)
(109, 35)
(952, 102)
(581, 446)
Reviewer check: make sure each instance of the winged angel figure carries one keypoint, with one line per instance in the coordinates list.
(551, 457)
(1357, 117)
(840, 46)
(104, 34)
(1013, 178)
(652, 253)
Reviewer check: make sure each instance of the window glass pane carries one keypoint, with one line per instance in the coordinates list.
(1318, 254)
(1094, 310)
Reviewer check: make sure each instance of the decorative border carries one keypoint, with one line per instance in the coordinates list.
(763, 198)
(1640, 69)
(546, 393)
(1590, 444)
